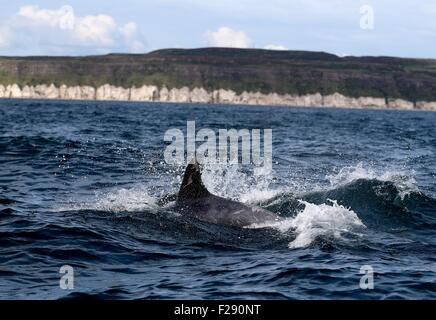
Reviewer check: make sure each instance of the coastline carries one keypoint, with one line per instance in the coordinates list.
(153, 93)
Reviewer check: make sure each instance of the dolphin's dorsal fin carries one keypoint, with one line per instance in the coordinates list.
(192, 187)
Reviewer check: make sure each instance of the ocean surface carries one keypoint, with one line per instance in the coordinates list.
(82, 183)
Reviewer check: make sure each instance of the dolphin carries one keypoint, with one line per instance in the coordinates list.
(195, 200)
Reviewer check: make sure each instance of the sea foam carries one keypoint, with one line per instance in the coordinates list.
(402, 180)
(324, 220)
(134, 199)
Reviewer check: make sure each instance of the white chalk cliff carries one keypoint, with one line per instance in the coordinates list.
(200, 95)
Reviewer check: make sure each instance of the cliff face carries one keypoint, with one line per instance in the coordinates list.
(221, 75)
(200, 95)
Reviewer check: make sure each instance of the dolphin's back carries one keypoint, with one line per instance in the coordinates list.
(195, 200)
(223, 211)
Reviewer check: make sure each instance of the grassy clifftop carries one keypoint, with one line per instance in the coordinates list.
(294, 72)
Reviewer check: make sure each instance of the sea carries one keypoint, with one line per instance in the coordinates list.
(83, 211)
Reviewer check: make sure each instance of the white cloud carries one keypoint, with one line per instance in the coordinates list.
(227, 37)
(62, 18)
(275, 47)
(100, 29)
(61, 31)
(129, 30)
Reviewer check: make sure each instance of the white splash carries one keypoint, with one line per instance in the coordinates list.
(315, 221)
(135, 199)
(231, 182)
(403, 181)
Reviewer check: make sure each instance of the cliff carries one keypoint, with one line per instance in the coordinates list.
(221, 75)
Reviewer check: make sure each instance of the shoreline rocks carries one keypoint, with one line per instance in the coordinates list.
(152, 93)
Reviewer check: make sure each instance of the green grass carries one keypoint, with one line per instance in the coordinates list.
(239, 70)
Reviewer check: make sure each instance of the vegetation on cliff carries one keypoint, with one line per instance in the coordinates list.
(282, 72)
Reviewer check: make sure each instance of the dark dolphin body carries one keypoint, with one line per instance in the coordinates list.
(195, 200)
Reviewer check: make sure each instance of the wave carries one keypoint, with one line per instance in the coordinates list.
(363, 198)
(357, 199)
(403, 180)
(134, 199)
(314, 221)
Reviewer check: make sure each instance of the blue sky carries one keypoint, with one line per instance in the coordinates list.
(52, 27)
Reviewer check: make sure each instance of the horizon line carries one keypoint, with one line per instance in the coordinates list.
(203, 48)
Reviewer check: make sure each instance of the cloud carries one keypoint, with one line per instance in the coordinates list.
(129, 30)
(275, 47)
(62, 18)
(63, 32)
(100, 29)
(227, 37)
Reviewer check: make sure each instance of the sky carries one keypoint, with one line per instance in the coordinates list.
(344, 27)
